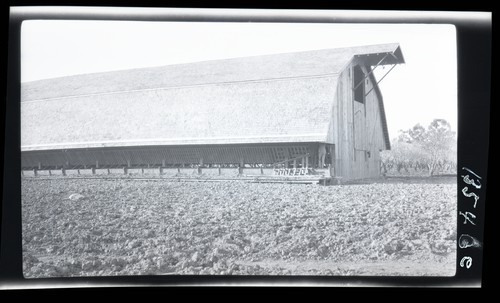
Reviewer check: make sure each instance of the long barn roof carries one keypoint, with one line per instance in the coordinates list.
(272, 98)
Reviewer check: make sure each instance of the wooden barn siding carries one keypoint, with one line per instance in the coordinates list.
(343, 145)
(350, 140)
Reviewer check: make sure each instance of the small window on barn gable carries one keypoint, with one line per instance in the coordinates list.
(359, 84)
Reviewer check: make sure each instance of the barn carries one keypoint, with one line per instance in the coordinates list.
(307, 112)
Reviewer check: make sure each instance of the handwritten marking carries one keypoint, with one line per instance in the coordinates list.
(476, 197)
(467, 260)
(470, 171)
(471, 182)
(466, 216)
(466, 241)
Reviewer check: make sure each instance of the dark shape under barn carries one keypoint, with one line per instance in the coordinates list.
(293, 113)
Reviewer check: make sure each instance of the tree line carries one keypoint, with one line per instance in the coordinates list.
(422, 151)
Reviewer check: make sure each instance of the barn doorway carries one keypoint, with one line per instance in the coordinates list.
(359, 84)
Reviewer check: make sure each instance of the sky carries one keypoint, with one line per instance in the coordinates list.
(422, 89)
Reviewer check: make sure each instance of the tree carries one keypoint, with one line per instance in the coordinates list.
(438, 141)
(415, 134)
(433, 147)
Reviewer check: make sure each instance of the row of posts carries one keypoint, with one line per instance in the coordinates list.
(125, 169)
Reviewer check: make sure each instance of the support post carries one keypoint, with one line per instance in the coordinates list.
(163, 163)
(241, 166)
(96, 163)
(307, 161)
(125, 170)
(39, 166)
(109, 172)
(35, 172)
(294, 163)
(161, 170)
(63, 171)
(128, 163)
(93, 170)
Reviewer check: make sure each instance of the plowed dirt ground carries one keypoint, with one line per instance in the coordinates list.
(402, 227)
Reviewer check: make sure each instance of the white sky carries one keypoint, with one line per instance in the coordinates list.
(416, 92)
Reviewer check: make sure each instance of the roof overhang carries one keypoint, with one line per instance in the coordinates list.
(297, 138)
(385, 57)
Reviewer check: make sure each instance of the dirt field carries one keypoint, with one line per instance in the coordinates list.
(134, 227)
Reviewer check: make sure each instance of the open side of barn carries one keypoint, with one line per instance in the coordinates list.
(319, 109)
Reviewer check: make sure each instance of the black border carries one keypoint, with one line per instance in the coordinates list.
(474, 52)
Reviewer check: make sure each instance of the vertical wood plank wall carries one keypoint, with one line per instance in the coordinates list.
(358, 130)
